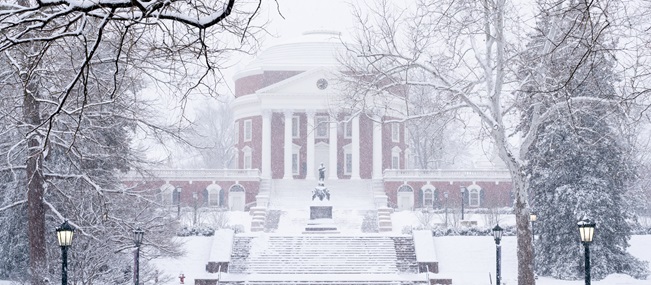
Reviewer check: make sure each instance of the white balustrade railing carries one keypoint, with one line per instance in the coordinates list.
(196, 174)
(447, 175)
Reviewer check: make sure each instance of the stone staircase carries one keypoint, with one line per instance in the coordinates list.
(365, 259)
(321, 254)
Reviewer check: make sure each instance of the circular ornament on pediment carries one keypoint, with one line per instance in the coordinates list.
(322, 83)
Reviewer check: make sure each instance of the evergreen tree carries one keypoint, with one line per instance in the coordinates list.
(580, 163)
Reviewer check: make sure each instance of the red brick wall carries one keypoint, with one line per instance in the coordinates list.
(251, 188)
(255, 143)
(495, 195)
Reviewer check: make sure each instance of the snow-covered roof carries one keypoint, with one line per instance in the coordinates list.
(312, 49)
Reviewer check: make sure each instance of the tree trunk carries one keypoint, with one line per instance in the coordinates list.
(35, 188)
(523, 230)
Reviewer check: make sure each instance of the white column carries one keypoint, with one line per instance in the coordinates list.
(310, 144)
(288, 145)
(266, 144)
(354, 173)
(333, 148)
(377, 149)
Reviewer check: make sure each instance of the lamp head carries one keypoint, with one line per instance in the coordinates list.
(586, 230)
(533, 217)
(65, 233)
(497, 233)
(137, 236)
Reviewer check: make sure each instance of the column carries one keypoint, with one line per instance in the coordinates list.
(266, 144)
(310, 144)
(288, 144)
(354, 173)
(377, 148)
(333, 148)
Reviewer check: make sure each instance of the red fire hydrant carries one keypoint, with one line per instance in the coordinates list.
(182, 278)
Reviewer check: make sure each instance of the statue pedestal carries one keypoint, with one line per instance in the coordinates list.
(321, 221)
(320, 212)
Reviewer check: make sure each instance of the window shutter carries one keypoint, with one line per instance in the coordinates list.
(482, 196)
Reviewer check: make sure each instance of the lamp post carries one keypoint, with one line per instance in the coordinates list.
(533, 218)
(586, 231)
(178, 202)
(497, 235)
(446, 208)
(137, 239)
(463, 200)
(194, 217)
(64, 237)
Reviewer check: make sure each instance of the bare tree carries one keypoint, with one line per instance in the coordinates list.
(463, 48)
(73, 65)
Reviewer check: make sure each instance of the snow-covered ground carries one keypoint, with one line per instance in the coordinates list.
(467, 260)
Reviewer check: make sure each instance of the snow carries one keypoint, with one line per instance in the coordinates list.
(220, 249)
(468, 260)
(424, 245)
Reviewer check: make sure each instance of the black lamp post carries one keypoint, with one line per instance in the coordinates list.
(178, 202)
(586, 231)
(137, 239)
(533, 218)
(64, 237)
(463, 200)
(446, 208)
(497, 234)
(195, 196)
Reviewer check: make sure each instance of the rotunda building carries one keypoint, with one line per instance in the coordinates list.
(288, 123)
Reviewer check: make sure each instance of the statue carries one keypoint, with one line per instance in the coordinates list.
(320, 191)
(322, 172)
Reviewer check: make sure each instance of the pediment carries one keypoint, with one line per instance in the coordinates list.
(304, 83)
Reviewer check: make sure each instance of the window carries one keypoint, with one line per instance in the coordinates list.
(214, 195)
(348, 127)
(395, 132)
(395, 158)
(348, 168)
(176, 196)
(296, 127)
(247, 158)
(428, 198)
(166, 194)
(322, 126)
(295, 163)
(236, 130)
(473, 199)
(247, 130)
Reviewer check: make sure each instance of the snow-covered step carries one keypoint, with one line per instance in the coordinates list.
(324, 254)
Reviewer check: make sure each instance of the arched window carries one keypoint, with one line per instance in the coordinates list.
(214, 197)
(166, 192)
(405, 188)
(236, 188)
(474, 195)
(428, 198)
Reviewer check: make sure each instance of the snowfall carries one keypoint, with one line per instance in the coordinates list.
(467, 260)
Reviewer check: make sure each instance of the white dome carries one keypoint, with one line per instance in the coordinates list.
(312, 49)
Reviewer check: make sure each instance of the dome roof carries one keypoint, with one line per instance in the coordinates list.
(312, 49)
